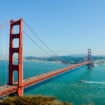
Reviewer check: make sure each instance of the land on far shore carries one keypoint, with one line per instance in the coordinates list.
(70, 59)
(74, 59)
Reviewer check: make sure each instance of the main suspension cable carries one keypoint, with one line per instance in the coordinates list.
(44, 42)
(38, 45)
(4, 23)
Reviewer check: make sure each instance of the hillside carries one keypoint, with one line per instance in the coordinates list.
(74, 59)
(32, 100)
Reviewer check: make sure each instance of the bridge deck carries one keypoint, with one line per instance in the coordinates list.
(8, 89)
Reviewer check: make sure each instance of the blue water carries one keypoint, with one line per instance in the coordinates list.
(80, 86)
(30, 69)
(68, 88)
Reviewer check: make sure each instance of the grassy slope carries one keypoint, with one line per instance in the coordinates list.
(32, 100)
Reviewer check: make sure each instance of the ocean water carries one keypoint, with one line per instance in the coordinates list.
(79, 86)
(30, 69)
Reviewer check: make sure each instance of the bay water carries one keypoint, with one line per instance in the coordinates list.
(79, 86)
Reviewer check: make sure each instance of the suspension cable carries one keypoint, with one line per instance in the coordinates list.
(37, 37)
(4, 23)
(7, 24)
(43, 42)
(38, 44)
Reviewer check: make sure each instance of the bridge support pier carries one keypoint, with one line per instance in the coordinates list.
(19, 51)
(20, 91)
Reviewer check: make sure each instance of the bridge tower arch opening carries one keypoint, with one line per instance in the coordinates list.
(19, 50)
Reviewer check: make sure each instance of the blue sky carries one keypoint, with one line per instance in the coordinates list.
(65, 25)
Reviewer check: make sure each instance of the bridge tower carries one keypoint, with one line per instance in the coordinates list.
(19, 51)
(89, 58)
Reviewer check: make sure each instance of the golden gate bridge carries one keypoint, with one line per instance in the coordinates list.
(10, 87)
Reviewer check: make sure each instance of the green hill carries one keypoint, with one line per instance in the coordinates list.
(32, 100)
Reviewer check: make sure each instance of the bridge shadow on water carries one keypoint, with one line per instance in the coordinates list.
(51, 79)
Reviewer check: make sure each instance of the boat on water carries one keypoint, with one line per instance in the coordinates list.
(83, 81)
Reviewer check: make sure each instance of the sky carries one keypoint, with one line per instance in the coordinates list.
(67, 26)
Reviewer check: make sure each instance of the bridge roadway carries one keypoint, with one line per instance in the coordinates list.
(9, 89)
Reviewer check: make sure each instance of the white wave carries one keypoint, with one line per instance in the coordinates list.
(92, 82)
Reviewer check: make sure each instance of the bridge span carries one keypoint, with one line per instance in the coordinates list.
(18, 87)
(10, 89)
